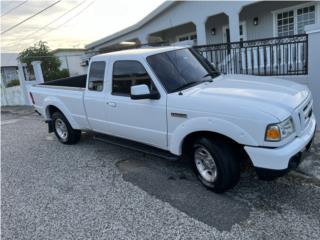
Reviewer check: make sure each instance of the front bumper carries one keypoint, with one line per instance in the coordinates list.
(282, 158)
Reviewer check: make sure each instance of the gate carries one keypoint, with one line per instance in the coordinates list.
(264, 57)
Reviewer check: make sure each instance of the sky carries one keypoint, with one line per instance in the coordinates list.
(90, 21)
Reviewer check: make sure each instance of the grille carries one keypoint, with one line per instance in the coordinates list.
(305, 114)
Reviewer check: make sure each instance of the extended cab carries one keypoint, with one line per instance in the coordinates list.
(173, 100)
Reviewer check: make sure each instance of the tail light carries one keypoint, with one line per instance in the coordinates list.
(32, 99)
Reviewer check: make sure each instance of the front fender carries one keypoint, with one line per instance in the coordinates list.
(54, 101)
(208, 124)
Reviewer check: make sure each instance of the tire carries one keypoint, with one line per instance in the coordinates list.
(220, 168)
(63, 130)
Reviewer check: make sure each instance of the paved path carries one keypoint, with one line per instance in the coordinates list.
(93, 190)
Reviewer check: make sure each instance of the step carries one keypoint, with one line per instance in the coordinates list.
(136, 146)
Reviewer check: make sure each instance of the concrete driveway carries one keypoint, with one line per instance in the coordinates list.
(94, 190)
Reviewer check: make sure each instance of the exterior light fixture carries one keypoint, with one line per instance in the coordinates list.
(255, 21)
(128, 43)
(213, 31)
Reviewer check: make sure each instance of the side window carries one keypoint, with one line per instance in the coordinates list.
(96, 76)
(127, 74)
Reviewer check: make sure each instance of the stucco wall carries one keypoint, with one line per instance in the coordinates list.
(171, 34)
(71, 61)
(314, 70)
(216, 22)
(8, 74)
(12, 96)
(201, 12)
(263, 11)
(180, 13)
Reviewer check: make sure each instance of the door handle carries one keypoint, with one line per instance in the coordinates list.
(112, 104)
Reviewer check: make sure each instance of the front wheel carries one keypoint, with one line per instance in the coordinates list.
(63, 130)
(215, 164)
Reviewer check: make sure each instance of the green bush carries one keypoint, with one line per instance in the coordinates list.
(13, 83)
(49, 62)
(57, 75)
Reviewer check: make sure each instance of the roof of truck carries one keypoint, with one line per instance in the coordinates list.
(138, 52)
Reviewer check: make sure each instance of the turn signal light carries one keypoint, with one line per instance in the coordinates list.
(273, 133)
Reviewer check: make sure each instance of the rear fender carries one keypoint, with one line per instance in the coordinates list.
(54, 101)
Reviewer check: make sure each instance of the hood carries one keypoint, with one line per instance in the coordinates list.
(266, 89)
(271, 95)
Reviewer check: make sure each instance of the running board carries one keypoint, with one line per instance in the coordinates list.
(136, 146)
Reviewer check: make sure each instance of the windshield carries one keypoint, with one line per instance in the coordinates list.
(181, 68)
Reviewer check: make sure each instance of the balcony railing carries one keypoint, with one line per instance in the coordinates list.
(265, 57)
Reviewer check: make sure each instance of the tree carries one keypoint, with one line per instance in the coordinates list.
(49, 62)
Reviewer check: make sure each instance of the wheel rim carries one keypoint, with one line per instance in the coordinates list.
(205, 164)
(61, 129)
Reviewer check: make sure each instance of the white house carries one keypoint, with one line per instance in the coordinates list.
(9, 67)
(213, 22)
(71, 59)
(10, 94)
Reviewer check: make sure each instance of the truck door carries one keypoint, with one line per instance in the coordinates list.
(95, 97)
(141, 120)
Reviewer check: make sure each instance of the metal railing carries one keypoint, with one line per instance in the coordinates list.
(265, 57)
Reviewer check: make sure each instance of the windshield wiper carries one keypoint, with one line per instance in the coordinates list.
(185, 86)
(212, 74)
(190, 84)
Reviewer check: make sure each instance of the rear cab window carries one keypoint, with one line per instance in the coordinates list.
(96, 76)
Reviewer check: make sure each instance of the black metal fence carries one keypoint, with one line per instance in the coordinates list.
(266, 57)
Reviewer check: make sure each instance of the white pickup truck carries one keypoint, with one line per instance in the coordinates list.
(172, 102)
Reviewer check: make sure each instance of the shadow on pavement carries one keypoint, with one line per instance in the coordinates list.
(176, 184)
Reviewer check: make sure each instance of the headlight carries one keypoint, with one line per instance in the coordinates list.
(279, 131)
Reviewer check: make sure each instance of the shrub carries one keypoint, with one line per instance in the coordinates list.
(57, 74)
(13, 83)
(50, 64)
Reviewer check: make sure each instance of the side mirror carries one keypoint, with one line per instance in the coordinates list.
(142, 92)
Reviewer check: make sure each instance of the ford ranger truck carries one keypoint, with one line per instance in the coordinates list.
(173, 102)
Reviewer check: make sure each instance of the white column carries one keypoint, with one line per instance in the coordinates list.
(234, 24)
(144, 39)
(4, 100)
(201, 32)
(21, 75)
(23, 83)
(313, 32)
(37, 71)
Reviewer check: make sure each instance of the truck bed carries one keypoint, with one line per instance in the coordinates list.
(77, 82)
(67, 95)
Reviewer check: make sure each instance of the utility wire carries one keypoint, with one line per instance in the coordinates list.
(9, 11)
(65, 22)
(18, 24)
(25, 37)
(68, 20)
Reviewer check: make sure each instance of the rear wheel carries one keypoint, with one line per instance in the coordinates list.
(215, 164)
(63, 130)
